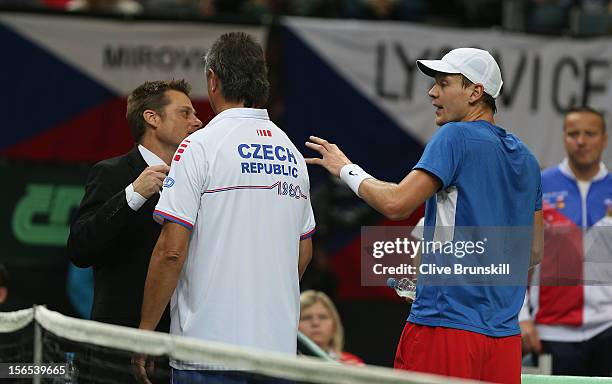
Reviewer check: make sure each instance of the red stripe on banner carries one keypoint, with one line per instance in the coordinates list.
(181, 150)
(177, 157)
(269, 133)
(106, 135)
(184, 145)
(86, 137)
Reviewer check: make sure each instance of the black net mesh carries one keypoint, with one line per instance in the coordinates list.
(99, 364)
(84, 349)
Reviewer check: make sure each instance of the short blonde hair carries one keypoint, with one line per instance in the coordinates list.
(310, 298)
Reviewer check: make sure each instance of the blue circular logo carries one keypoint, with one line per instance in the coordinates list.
(168, 182)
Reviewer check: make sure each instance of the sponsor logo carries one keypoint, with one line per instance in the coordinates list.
(168, 182)
(560, 202)
(555, 199)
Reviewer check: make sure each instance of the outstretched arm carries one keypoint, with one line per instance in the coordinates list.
(395, 201)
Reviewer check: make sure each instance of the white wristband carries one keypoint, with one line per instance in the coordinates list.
(353, 175)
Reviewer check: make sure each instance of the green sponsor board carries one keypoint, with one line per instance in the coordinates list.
(38, 205)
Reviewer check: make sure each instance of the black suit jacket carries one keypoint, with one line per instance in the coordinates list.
(116, 240)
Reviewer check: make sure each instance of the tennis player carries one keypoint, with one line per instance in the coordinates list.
(472, 173)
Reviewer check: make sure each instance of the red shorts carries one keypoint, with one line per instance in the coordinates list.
(459, 353)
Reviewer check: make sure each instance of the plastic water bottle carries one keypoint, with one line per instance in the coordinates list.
(404, 287)
(72, 373)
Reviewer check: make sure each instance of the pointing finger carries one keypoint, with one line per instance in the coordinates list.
(314, 146)
(313, 160)
(320, 141)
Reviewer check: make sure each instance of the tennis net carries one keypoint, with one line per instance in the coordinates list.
(101, 353)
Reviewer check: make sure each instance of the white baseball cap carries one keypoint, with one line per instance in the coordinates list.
(476, 64)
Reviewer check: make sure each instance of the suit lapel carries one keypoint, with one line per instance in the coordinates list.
(136, 162)
(137, 165)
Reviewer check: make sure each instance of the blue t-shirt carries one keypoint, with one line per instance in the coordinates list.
(489, 179)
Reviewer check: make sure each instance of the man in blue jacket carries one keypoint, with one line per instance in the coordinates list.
(568, 312)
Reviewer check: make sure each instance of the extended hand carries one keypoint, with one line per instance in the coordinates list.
(530, 337)
(150, 181)
(333, 159)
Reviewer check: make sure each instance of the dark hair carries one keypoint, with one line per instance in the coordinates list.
(238, 61)
(486, 98)
(150, 95)
(586, 109)
(4, 277)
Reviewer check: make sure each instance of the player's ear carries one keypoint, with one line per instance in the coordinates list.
(150, 117)
(213, 80)
(477, 92)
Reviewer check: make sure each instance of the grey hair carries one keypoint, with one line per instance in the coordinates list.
(238, 62)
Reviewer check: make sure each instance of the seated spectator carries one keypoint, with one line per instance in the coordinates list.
(319, 320)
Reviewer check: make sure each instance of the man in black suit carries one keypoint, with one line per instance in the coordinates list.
(114, 230)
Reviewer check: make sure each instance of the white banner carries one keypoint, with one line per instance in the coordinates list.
(543, 77)
(123, 54)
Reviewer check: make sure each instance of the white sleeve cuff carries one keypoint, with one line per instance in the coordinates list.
(524, 313)
(134, 199)
(353, 175)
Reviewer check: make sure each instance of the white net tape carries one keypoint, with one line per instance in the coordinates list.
(14, 321)
(300, 368)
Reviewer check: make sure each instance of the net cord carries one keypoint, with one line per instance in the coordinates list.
(300, 368)
(14, 321)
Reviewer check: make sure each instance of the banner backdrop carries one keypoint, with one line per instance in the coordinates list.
(543, 76)
(67, 77)
(356, 83)
(66, 80)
